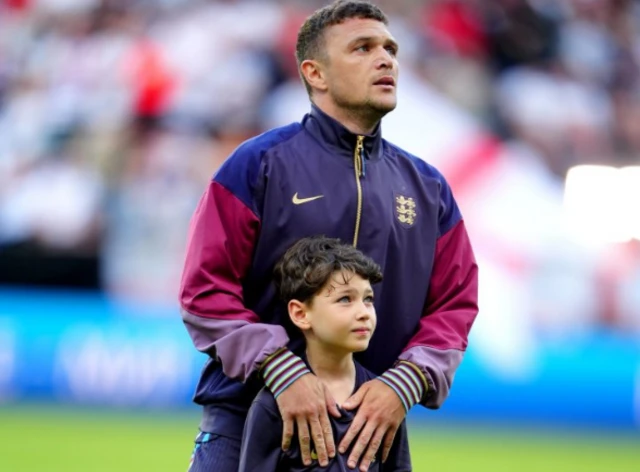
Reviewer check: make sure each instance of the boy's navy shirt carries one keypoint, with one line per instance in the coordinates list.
(262, 440)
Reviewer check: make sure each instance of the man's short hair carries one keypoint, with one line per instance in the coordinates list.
(308, 265)
(310, 41)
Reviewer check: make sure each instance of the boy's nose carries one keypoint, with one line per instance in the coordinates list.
(364, 312)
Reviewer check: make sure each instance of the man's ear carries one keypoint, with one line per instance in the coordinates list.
(313, 72)
(298, 314)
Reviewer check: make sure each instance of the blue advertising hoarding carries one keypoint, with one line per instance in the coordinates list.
(83, 348)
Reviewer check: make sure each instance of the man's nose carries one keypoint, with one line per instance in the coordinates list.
(384, 60)
(384, 63)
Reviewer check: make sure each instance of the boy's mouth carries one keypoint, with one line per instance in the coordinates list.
(361, 330)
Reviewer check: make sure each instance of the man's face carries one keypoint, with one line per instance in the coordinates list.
(342, 316)
(360, 65)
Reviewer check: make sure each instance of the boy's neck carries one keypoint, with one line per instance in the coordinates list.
(336, 369)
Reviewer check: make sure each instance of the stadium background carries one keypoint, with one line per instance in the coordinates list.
(115, 113)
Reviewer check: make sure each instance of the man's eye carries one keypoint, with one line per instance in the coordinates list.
(363, 48)
(392, 50)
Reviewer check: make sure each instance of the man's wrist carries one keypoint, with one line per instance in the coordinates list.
(281, 369)
(407, 381)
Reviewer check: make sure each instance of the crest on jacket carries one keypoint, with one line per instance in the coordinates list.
(405, 210)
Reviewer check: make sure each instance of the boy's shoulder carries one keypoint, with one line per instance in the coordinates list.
(267, 402)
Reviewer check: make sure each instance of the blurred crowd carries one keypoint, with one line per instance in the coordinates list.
(114, 114)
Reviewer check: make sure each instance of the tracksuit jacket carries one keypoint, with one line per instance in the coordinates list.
(309, 178)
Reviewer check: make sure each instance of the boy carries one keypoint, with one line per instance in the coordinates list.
(327, 288)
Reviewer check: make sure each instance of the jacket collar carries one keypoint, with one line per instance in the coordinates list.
(331, 134)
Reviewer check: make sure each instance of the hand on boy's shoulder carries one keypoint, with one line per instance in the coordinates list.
(380, 414)
(305, 404)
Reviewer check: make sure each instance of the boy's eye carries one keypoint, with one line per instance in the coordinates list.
(344, 299)
(369, 299)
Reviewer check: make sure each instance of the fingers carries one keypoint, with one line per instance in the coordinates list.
(372, 450)
(303, 406)
(327, 433)
(360, 445)
(388, 442)
(305, 440)
(317, 435)
(287, 433)
(356, 425)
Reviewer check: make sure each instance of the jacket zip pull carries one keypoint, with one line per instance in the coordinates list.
(358, 157)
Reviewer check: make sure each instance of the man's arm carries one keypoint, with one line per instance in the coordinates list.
(219, 250)
(430, 360)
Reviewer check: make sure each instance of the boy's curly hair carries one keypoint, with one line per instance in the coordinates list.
(307, 266)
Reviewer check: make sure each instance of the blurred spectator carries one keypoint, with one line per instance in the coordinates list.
(50, 221)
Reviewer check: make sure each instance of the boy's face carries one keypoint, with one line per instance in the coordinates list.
(342, 315)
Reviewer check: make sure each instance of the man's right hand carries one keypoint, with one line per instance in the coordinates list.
(305, 403)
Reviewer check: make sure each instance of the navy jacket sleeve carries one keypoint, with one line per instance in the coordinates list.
(261, 440)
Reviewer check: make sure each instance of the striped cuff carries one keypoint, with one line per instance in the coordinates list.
(407, 382)
(282, 369)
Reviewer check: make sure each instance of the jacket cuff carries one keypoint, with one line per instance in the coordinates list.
(407, 381)
(281, 369)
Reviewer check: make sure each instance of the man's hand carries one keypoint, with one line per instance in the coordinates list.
(306, 402)
(380, 414)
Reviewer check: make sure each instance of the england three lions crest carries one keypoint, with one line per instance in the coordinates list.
(406, 210)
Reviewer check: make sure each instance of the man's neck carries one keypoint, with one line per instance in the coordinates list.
(336, 369)
(355, 122)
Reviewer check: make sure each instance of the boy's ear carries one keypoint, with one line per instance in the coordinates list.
(298, 314)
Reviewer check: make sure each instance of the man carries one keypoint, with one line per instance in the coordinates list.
(331, 174)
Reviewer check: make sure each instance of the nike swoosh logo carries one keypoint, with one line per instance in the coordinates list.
(300, 201)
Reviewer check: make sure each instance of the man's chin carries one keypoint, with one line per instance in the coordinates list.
(384, 106)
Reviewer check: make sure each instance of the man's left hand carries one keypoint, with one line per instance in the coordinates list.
(376, 422)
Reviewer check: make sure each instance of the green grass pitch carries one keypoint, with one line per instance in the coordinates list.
(52, 440)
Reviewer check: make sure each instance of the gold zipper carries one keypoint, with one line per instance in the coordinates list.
(358, 165)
